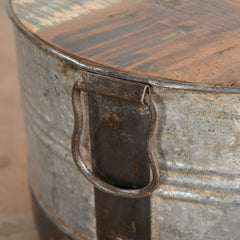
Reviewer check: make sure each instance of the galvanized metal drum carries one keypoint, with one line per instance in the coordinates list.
(132, 111)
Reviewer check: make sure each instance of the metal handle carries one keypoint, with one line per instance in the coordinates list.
(96, 181)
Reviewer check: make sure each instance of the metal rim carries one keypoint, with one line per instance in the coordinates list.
(97, 182)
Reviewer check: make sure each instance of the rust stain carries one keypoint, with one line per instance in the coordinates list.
(113, 120)
(136, 165)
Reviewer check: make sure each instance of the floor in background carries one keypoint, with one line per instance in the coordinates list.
(16, 222)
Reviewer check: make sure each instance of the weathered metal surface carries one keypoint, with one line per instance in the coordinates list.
(120, 158)
(54, 178)
(120, 152)
(124, 91)
(47, 228)
(112, 87)
(198, 147)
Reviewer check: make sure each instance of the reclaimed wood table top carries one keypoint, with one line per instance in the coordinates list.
(193, 41)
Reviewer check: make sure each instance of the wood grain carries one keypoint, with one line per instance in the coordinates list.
(195, 41)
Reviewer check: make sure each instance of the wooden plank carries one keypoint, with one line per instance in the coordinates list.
(195, 41)
(119, 158)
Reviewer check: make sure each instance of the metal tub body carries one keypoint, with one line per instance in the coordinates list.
(198, 147)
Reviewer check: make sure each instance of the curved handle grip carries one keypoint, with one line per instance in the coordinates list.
(96, 181)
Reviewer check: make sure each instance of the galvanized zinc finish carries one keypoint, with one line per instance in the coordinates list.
(197, 146)
(54, 179)
(198, 150)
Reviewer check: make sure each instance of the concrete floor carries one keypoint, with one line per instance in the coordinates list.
(16, 222)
